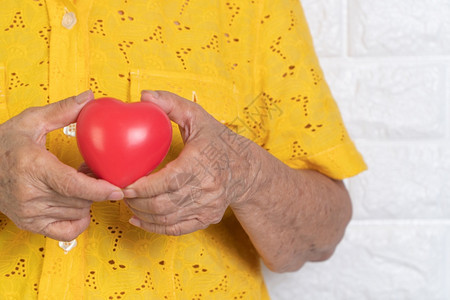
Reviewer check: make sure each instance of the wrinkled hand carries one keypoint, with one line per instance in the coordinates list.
(215, 168)
(37, 191)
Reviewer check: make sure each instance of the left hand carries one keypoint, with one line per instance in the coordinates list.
(216, 168)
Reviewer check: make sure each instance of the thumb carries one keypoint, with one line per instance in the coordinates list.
(67, 230)
(64, 112)
(179, 110)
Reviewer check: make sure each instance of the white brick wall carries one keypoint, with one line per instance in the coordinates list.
(388, 65)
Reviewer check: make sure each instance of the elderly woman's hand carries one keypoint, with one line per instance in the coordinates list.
(216, 168)
(37, 191)
(291, 215)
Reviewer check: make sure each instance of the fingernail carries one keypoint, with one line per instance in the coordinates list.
(84, 96)
(129, 193)
(135, 221)
(116, 195)
(153, 94)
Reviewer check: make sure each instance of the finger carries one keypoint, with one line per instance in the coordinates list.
(66, 231)
(160, 205)
(37, 214)
(151, 185)
(177, 229)
(64, 112)
(179, 110)
(169, 219)
(57, 200)
(69, 183)
(171, 179)
(65, 213)
(53, 199)
(166, 209)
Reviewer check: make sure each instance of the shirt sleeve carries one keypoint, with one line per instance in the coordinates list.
(303, 126)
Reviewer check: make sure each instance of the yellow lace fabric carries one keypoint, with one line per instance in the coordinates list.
(250, 63)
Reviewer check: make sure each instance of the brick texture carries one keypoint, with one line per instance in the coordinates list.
(388, 65)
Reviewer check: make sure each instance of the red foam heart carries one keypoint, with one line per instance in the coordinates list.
(121, 142)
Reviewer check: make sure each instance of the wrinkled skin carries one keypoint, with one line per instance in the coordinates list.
(214, 170)
(291, 216)
(37, 191)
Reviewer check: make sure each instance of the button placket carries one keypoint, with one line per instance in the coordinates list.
(64, 262)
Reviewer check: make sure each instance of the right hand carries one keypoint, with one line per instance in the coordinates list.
(38, 192)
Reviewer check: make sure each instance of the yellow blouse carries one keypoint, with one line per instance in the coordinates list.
(250, 63)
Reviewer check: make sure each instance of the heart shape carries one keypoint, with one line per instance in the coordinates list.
(122, 142)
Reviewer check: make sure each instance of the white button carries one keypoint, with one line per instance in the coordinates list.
(69, 20)
(67, 246)
(71, 130)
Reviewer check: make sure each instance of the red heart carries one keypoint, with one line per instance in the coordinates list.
(121, 142)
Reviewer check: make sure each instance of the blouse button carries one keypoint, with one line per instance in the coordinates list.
(69, 20)
(71, 130)
(67, 246)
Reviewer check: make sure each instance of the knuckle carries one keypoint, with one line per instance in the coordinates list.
(206, 221)
(174, 230)
(163, 220)
(216, 218)
(31, 112)
(69, 236)
(60, 231)
(73, 233)
(204, 226)
(203, 223)
(213, 217)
